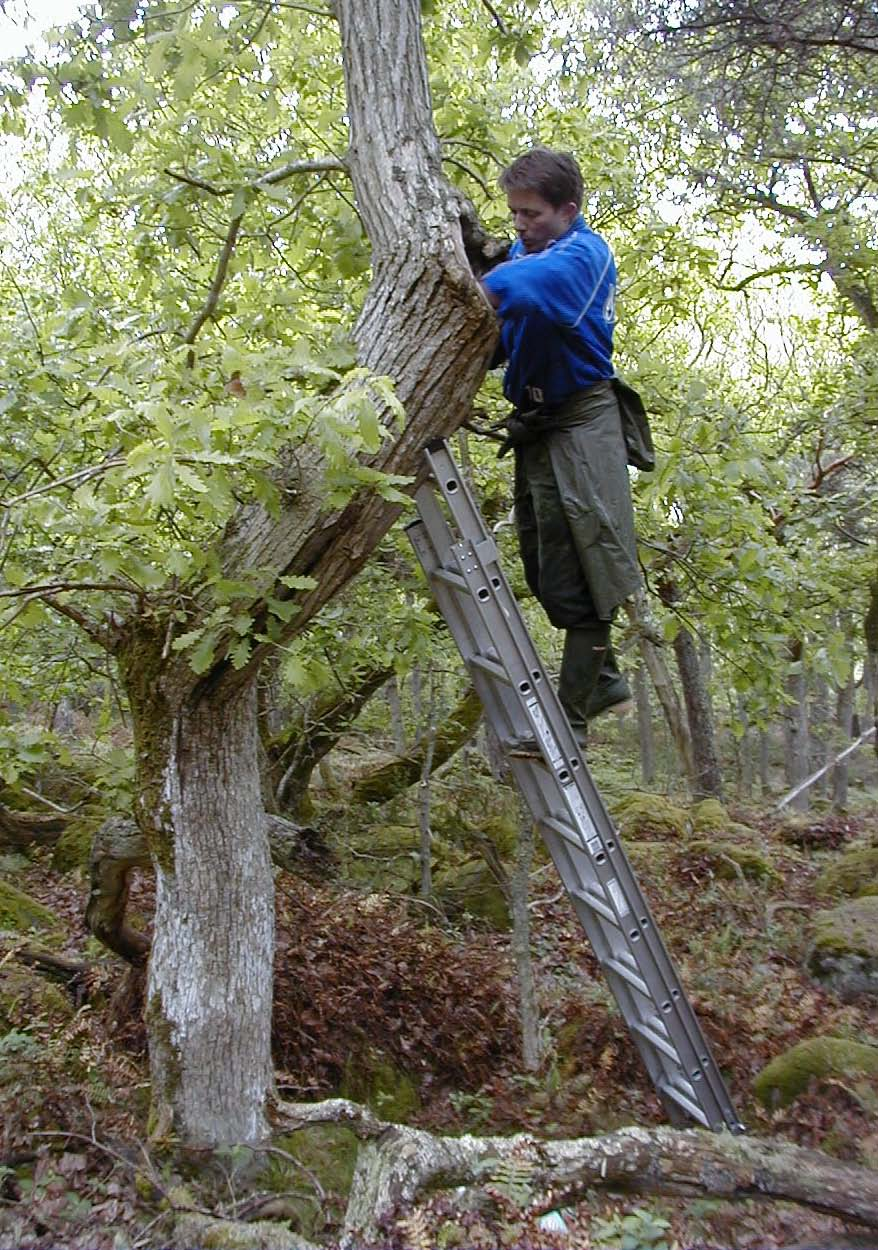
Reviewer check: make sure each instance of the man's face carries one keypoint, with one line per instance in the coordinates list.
(538, 222)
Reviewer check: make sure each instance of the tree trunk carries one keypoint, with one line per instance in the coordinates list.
(707, 779)
(649, 643)
(645, 735)
(796, 725)
(427, 326)
(390, 779)
(200, 808)
(519, 904)
(396, 1164)
(844, 714)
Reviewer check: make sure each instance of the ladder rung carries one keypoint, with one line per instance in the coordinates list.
(450, 579)
(567, 832)
(490, 666)
(656, 1040)
(596, 903)
(691, 1108)
(616, 965)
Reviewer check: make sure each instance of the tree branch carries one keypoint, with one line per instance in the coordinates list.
(219, 278)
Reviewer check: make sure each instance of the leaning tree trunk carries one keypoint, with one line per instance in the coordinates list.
(426, 325)
(650, 643)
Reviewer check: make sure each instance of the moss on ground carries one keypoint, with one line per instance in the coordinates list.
(849, 929)
(371, 1077)
(471, 889)
(20, 912)
(639, 815)
(790, 1074)
(854, 873)
(731, 859)
(27, 998)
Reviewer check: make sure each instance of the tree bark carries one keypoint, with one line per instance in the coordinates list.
(645, 735)
(707, 780)
(796, 724)
(398, 1163)
(649, 643)
(397, 775)
(519, 905)
(844, 716)
(209, 982)
(427, 326)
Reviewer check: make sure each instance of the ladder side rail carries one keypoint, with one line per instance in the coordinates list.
(528, 675)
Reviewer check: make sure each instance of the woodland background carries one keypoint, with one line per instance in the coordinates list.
(236, 304)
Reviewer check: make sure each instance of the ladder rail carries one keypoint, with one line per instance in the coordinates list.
(474, 597)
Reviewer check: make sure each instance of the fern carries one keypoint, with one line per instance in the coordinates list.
(415, 1231)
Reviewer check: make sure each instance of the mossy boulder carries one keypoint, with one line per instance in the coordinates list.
(855, 873)
(20, 912)
(790, 1074)
(844, 954)
(730, 860)
(73, 848)
(641, 815)
(471, 889)
(372, 1078)
(27, 998)
(206, 1232)
(708, 816)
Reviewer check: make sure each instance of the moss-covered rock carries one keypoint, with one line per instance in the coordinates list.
(471, 889)
(844, 954)
(372, 1078)
(854, 873)
(20, 912)
(73, 848)
(641, 815)
(789, 1074)
(727, 858)
(193, 1229)
(27, 998)
(708, 816)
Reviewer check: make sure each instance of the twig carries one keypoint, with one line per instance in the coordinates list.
(216, 286)
(501, 25)
(81, 475)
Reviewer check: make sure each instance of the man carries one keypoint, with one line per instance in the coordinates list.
(555, 298)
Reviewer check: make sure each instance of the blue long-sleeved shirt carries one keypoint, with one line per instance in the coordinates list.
(557, 309)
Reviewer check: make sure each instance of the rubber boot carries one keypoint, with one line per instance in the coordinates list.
(584, 655)
(611, 690)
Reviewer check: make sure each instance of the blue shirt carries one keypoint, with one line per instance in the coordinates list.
(557, 309)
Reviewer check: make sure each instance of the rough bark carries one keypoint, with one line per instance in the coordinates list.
(119, 847)
(294, 753)
(649, 643)
(390, 779)
(21, 829)
(397, 1163)
(645, 735)
(707, 778)
(796, 724)
(426, 325)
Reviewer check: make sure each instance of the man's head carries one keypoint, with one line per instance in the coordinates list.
(544, 192)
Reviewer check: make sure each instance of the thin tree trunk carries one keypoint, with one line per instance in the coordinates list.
(394, 705)
(424, 797)
(845, 720)
(649, 643)
(519, 902)
(796, 725)
(645, 735)
(707, 774)
(764, 762)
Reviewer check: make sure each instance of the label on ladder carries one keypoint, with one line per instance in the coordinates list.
(544, 733)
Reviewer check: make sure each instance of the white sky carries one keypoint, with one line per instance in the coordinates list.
(22, 21)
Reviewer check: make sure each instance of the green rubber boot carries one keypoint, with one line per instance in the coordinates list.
(611, 691)
(585, 651)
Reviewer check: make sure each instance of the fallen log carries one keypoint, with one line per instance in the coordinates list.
(397, 1163)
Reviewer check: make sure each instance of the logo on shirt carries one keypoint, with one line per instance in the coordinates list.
(610, 306)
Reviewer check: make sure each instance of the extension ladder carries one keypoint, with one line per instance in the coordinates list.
(459, 557)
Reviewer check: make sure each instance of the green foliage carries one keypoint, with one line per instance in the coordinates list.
(639, 1229)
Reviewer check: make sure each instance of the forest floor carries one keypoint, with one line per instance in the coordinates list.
(437, 1006)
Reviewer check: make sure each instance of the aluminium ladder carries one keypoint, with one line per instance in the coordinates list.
(461, 564)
